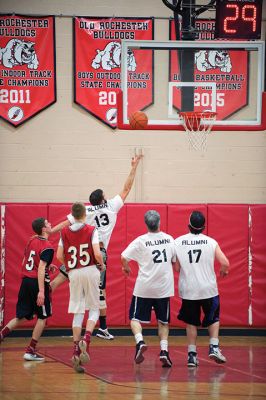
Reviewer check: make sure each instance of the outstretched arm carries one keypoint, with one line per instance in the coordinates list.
(130, 179)
(60, 226)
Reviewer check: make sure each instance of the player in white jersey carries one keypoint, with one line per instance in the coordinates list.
(155, 254)
(197, 286)
(102, 214)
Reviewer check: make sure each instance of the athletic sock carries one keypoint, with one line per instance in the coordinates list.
(87, 337)
(4, 332)
(138, 337)
(102, 320)
(192, 348)
(214, 341)
(32, 346)
(164, 344)
(76, 349)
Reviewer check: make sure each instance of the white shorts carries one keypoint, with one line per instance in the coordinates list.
(84, 289)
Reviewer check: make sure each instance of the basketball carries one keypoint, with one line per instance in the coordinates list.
(138, 120)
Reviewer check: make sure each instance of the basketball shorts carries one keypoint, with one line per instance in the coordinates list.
(141, 308)
(84, 289)
(27, 298)
(190, 311)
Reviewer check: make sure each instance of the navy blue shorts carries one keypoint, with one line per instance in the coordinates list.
(141, 308)
(190, 311)
(27, 300)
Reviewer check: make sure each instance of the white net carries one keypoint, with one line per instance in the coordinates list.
(197, 126)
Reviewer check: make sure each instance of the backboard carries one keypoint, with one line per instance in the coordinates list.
(226, 77)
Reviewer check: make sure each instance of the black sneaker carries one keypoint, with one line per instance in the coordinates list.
(165, 359)
(141, 347)
(192, 360)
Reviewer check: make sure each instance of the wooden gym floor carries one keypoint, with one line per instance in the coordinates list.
(112, 374)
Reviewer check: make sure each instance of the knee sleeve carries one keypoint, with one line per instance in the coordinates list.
(77, 320)
(94, 315)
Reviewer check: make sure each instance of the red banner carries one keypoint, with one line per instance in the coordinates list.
(228, 69)
(97, 50)
(27, 66)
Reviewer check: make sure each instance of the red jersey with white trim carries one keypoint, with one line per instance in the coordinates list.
(38, 248)
(77, 244)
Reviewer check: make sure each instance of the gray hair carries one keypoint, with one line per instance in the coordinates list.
(152, 220)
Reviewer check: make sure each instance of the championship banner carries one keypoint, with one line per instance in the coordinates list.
(229, 69)
(97, 64)
(27, 66)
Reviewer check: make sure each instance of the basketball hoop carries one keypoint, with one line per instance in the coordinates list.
(197, 125)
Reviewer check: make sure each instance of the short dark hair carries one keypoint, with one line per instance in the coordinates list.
(37, 225)
(96, 197)
(78, 210)
(152, 220)
(196, 222)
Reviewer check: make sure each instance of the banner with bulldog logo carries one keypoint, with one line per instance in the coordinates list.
(97, 50)
(27, 66)
(228, 69)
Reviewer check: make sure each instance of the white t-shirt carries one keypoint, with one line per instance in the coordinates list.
(196, 254)
(154, 253)
(103, 217)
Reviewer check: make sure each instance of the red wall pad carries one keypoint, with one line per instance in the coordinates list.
(177, 222)
(258, 263)
(228, 224)
(137, 227)
(18, 232)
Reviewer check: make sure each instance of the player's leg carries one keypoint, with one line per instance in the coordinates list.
(162, 312)
(190, 314)
(91, 280)
(140, 311)
(76, 329)
(103, 332)
(12, 324)
(42, 312)
(211, 309)
(60, 278)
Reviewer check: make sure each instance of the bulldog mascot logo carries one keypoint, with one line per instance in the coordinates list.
(110, 57)
(19, 52)
(213, 59)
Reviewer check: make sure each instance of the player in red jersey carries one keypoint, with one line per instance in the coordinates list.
(34, 292)
(79, 251)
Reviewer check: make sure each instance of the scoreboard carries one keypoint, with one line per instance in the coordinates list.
(238, 19)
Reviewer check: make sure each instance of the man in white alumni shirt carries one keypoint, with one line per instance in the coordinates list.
(197, 286)
(155, 254)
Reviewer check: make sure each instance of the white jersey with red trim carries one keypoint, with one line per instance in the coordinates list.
(103, 217)
(196, 254)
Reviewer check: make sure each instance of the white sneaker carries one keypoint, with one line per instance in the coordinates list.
(216, 354)
(33, 357)
(84, 355)
(76, 364)
(104, 334)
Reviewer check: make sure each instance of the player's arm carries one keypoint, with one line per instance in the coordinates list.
(125, 266)
(176, 265)
(223, 261)
(130, 179)
(60, 226)
(60, 254)
(41, 275)
(98, 256)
